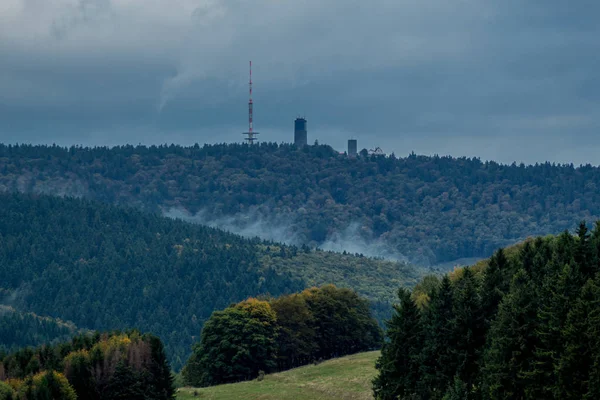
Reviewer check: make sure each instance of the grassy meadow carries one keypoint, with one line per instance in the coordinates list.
(346, 378)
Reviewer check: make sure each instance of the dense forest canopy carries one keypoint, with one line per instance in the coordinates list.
(523, 325)
(431, 209)
(19, 329)
(104, 267)
(281, 333)
(108, 366)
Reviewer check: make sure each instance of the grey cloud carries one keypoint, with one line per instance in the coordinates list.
(439, 76)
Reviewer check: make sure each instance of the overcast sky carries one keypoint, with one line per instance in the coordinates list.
(504, 79)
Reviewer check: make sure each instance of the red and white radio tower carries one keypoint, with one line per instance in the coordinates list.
(250, 134)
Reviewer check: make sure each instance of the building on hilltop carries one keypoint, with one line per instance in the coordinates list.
(376, 152)
(352, 148)
(300, 133)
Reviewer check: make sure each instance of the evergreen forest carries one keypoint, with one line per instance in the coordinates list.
(18, 329)
(102, 268)
(109, 366)
(430, 209)
(523, 325)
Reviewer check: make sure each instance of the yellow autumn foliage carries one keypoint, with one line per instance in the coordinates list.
(258, 309)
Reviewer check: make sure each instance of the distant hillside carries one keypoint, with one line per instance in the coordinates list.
(430, 209)
(104, 268)
(346, 378)
(19, 329)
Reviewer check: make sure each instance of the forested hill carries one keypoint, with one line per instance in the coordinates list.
(104, 267)
(522, 325)
(18, 329)
(432, 209)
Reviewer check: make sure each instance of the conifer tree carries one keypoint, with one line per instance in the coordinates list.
(398, 364)
(556, 296)
(124, 385)
(160, 378)
(526, 255)
(457, 391)
(586, 253)
(438, 365)
(512, 342)
(494, 285)
(580, 342)
(593, 334)
(468, 334)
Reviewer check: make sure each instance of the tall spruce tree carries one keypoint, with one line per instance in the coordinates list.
(438, 365)
(593, 333)
(494, 286)
(512, 342)
(586, 253)
(555, 298)
(398, 364)
(468, 336)
(579, 336)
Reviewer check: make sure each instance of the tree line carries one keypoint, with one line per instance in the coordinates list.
(523, 325)
(254, 336)
(399, 201)
(19, 330)
(117, 365)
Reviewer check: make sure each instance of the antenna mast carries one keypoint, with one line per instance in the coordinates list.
(250, 134)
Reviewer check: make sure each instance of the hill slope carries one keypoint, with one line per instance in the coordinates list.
(108, 268)
(523, 324)
(346, 378)
(431, 209)
(19, 329)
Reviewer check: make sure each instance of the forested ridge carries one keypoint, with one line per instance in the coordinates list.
(524, 324)
(432, 209)
(103, 267)
(19, 329)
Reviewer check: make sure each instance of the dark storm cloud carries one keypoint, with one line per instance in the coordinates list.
(509, 80)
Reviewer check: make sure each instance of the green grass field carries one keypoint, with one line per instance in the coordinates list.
(346, 378)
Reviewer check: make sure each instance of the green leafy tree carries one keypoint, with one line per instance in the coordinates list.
(78, 370)
(48, 385)
(7, 392)
(343, 321)
(296, 343)
(96, 367)
(235, 345)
